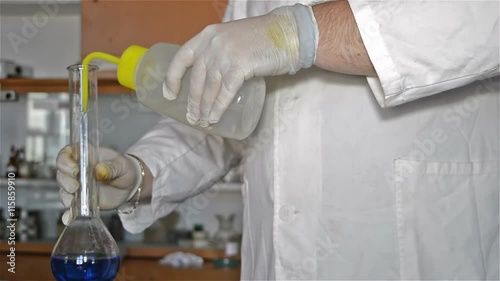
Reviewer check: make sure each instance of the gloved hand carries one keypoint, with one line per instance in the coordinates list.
(225, 55)
(119, 177)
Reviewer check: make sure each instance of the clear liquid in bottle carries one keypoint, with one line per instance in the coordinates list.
(239, 120)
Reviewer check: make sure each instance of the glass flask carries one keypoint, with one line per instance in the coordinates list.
(225, 233)
(85, 250)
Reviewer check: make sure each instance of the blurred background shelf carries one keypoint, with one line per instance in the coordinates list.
(51, 183)
(228, 186)
(52, 8)
(41, 194)
(58, 85)
(29, 183)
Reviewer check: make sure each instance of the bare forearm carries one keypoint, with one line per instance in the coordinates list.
(340, 47)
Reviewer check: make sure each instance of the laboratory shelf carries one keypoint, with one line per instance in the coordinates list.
(29, 183)
(51, 183)
(228, 186)
(32, 193)
(56, 85)
(139, 262)
(129, 249)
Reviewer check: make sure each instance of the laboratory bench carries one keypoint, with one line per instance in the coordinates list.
(139, 262)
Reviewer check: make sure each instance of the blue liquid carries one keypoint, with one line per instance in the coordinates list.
(85, 268)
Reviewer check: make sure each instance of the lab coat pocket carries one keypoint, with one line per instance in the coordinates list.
(447, 214)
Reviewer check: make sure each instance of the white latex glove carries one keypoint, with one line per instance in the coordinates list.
(118, 177)
(225, 55)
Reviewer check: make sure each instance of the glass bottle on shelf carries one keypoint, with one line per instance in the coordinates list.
(85, 250)
(34, 225)
(23, 225)
(200, 237)
(225, 233)
(24, 167)
(3, 226)
(228, 239)
(17, 220)
(12, 165)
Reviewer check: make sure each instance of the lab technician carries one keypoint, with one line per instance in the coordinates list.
(377, 159)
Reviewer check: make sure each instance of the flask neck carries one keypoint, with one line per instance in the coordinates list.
(86, 200)
(84, 136)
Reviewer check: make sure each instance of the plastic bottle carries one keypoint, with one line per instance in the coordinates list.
(200, 237)
(144, 70)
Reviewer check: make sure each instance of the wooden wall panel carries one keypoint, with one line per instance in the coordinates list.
(27, 267)
(113, 25)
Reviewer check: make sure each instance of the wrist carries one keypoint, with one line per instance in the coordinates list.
(293, 32)
(136, 189)
(139, 171)
(307, 34)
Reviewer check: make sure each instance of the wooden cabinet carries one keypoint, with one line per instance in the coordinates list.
(28, 266)
(141, 263)
(23, 86)
(32, 262)
(37, 267)
(150, 269)
(111, 26)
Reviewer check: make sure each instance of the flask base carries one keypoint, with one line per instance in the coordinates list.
(85, 267)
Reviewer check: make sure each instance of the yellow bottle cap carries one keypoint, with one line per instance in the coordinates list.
(126, 68)
(128, 62)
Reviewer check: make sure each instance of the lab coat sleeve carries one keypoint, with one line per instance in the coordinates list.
(420, 48)
(184, 162)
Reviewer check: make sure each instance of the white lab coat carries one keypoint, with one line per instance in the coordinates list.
(345, 178)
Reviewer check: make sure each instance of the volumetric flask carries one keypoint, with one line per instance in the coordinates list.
(85, 250)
